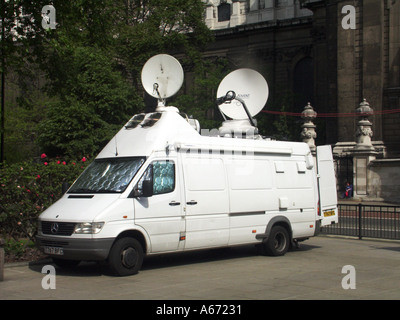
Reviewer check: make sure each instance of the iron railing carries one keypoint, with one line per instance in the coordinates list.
(372, 221)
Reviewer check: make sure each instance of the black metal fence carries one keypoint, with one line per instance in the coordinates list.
(372, 221)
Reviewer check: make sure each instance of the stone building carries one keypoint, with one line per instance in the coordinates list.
(302, 48)
(333, 54)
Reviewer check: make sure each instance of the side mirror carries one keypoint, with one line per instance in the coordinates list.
(147, 188)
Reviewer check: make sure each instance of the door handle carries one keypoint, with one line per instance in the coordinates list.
(191, 203)
(174, 203)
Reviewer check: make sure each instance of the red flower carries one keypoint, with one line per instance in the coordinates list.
(38, 176)
(58, 162)
(64, 163)
(83, 159)
(45, 163)
(43, 156)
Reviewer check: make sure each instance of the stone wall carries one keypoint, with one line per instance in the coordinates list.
(384, 180)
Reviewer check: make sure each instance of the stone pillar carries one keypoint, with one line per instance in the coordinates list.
(209, 14)
(308, 134)
(363, 152)
(235, 17)
(364, 128)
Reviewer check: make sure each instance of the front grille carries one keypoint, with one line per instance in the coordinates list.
(58, 228)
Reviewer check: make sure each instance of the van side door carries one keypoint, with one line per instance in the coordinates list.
(158, 205)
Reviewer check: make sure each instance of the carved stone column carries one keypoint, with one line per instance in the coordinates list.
(363, 152)
(236, 18)
(364, 128)
(209, 14)
(308, 134)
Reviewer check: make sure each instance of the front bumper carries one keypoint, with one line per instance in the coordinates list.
(76, 249)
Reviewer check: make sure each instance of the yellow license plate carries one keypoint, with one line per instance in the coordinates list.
(329, 213)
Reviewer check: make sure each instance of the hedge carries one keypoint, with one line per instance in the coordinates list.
(28, 188)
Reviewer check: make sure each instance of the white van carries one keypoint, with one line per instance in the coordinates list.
(159, 186)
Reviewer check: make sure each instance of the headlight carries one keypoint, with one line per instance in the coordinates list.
(88, 227)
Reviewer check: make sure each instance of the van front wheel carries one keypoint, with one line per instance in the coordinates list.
(126, 257)
(278, 242)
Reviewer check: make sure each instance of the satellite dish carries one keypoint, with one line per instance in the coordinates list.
(162, 76)
(247, 85)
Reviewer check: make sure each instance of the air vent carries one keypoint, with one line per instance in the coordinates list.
(151, 120)
(134, 122)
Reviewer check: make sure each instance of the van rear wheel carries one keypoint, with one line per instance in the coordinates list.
(126, 257)
(277, 243)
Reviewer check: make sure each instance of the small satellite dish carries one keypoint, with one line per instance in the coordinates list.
(162, 76)
(247, 85)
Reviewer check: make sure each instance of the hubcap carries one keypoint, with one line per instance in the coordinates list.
(280, 241)
(129, 257)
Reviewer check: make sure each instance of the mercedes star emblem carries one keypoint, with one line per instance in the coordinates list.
(54, 228)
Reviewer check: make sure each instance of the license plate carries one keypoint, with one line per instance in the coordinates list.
(54, 250)
(329, 213)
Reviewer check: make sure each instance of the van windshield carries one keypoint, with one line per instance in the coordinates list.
(111, 175)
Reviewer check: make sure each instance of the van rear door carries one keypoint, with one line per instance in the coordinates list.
(326, 186)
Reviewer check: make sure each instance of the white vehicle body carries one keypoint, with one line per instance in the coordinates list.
(205, 192)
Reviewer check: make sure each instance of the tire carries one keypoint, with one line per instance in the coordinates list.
(126, 257)
(277, 243)
(65, 264)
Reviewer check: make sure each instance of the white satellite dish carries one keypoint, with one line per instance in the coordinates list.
(248, 85)
(162, 76)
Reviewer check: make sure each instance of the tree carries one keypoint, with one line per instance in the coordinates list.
(199, 100)
(95, 48)
(19, 32)
(93, 100)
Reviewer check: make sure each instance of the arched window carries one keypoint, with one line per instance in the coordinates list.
(303, 83)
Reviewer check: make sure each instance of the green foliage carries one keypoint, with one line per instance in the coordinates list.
(28, 188)
(200, 99)
(96, 48)
(151, 27)
(16, 247)
(93, 101)
(91, 65)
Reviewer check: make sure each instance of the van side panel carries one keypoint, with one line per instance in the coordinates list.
(206, 200)
(296, 194)
(251, 196)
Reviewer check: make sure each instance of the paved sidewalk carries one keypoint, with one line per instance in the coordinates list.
(312, 272)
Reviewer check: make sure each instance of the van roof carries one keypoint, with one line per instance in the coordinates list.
(145, 133)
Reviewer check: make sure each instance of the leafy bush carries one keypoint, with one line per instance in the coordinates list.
(28, 188)
(16, 247)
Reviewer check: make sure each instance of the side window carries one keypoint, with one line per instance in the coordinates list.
(163, 177)
(162, 173)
